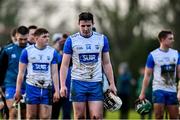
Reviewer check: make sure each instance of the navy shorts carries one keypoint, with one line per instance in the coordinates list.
(10, 91)
(37, 95)
(165, 97)
(82, 91)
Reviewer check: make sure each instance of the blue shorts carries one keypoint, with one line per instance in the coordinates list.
(10, 91)
(164, 97)
(82, 91)
(37, 95)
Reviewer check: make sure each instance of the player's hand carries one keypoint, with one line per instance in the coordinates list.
(56, 96)
(178, 95)
(142, 96)
(63, 91)
(112, 88)
(17, 96)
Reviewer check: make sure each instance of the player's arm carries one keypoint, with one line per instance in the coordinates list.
(147, 75)
(22, 69)
(67, 52)
(107, 67)
(54, 74)
(3, 65)
(20, 78)
(178, 75)
(63, 73)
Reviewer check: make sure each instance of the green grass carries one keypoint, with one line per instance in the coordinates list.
(115, 115)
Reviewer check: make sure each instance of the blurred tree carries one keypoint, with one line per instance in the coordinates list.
(169, 15)
(8, 18)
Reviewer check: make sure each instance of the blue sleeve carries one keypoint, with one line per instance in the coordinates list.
(68, 46)
(178, 59)
(24, 57)
(106, 45)
(150, 61)
(59, 58)
(55, 58)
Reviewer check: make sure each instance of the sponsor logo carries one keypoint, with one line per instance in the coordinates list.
(88, 57)
(13, 56)
(41, 67)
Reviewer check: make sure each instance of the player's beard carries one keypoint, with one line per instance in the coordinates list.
(87, 33)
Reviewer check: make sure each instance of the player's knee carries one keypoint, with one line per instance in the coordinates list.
(12, 113)
(158, 115)
(80, 116)
(31, 116)
(48, 116)
(95, 116)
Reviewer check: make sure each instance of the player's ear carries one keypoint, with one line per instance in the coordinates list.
(36, 38)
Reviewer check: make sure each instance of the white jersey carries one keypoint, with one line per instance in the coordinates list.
(164, 69)
(86, 56)
(39, 65)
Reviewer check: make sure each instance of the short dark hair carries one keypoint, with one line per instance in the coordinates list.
(164, 33)
(94, 29)
(86, 16)
(65, 35)
(40, 31)
(23, 30)
(32, 27)
(13, 32)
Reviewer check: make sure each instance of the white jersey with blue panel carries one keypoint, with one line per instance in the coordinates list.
(86, 56)
(39, 65)
(164, 64)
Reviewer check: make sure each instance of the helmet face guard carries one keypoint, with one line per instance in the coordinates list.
(111, 101)
(143, 106)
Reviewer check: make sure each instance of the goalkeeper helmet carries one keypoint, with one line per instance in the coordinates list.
(111, 101)
(143, 106)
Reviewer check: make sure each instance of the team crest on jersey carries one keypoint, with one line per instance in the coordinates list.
(97, 47)
(167, 59)
(40, 57)
(174, 59)
(88, 46)
(48, 58)
(13, 56)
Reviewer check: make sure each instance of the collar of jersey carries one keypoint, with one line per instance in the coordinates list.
(39, 48)
(84, 36)
(163, 50)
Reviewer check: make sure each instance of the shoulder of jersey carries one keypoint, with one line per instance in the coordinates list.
(75, 35)
(49, 47)
(173, 50)
(29, 47)
(155, 50)
(9, 46)
(97, 34)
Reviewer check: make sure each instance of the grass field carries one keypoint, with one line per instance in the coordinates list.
(115, 115)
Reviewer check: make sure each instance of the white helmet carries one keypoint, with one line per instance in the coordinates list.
(111, 101)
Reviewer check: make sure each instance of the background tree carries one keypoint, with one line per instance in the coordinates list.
(8, 18)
